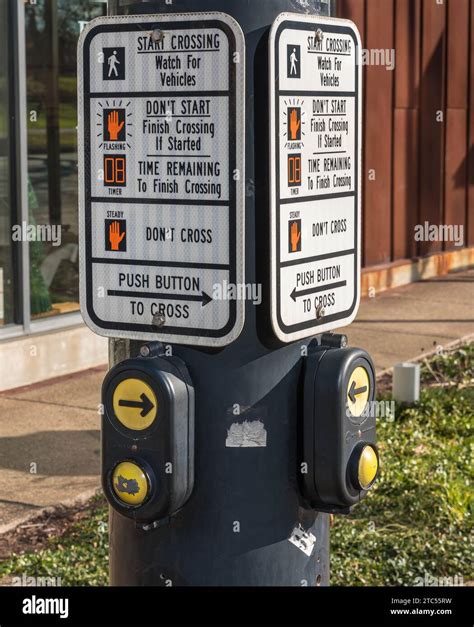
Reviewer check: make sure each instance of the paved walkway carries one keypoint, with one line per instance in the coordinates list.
(50, 439)
(49, 445)
(406, 322)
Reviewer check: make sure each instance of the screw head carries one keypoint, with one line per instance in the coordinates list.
(319, 35)
(320, 312)
(157, 36)
(145, 351)
(159, 320)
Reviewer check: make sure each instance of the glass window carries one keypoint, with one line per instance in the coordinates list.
(52, 31)
(7, 208)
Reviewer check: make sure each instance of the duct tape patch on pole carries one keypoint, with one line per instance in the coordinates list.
(161, 177)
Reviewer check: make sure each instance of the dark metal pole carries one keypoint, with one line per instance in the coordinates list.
(236, 527)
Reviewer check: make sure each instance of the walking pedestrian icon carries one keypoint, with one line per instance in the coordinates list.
(114, 64)
(294, 61)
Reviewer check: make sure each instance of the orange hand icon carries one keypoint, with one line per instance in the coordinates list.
(113, 125)
(294, 124)
(115, 236)
(295, 237)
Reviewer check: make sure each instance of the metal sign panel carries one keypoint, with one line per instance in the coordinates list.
(315, 144)
(161, 171)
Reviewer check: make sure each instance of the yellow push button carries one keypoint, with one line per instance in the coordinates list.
(358, 390)
(130, 483)
(135, 404)
(368, 467)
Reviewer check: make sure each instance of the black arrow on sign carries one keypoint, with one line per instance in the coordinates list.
(353, 392)
(202, 298)
(314, 290)
(146, 405)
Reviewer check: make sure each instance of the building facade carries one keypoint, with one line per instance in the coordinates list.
(418, 137)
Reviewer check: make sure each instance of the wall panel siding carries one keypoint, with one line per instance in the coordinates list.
(406, 127)
(405, 183)
(354, 10)
(378, 138)
(470, 151)
(432, 126)
(407, 49)
(418, 123)
(456, 170)
(457, 77)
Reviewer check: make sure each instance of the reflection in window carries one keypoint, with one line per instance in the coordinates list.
(52, 31)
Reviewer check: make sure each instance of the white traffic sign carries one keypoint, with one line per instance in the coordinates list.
(161, 171)
(315, 154)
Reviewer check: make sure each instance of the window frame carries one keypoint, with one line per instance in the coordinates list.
(18, 129)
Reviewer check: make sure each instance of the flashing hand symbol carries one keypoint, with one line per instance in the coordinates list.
(294, 124)
(113, 125)
(115, 236)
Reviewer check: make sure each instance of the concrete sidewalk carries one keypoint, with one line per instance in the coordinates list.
(411, 321)
(50, 439)
(49, 445)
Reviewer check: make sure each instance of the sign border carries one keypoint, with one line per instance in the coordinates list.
(171, 334)
(311, 327)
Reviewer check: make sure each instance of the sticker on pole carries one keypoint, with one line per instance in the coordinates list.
(161, 177)
(315, 155)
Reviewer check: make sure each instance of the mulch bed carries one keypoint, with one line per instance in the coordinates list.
(33, 535)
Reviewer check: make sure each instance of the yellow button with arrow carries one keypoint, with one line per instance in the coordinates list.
(358, 391)
(135, 404)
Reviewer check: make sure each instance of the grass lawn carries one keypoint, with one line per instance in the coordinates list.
(416, 522)
(76, 555)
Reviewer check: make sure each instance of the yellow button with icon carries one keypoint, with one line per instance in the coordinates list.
(358, 391)
(368, 467)
(135, 404)
(130, 483)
